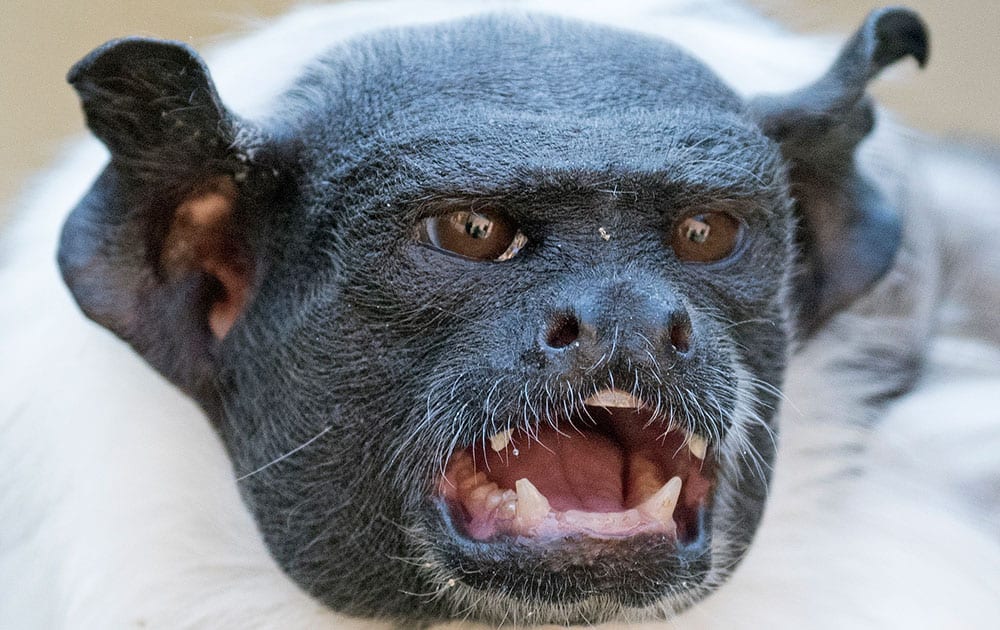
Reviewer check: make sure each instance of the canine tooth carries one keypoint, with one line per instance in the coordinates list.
(613, 398)
(532, 506)
(500, 441)
(697, 445)
(661, 505)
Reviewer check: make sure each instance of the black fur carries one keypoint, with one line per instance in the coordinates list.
(851, 230)
(381, 355)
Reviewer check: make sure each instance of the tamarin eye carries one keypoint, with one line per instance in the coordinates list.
(706, 237)
(474, 234)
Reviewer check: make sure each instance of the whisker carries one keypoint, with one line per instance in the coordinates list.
(286, 455)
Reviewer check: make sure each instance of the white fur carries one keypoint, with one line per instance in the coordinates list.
(119, 508)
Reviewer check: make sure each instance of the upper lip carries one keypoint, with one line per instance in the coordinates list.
(612, 470)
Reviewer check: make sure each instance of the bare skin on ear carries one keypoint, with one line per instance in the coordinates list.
(201, 238)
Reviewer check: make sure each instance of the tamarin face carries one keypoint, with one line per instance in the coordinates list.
(492, 316)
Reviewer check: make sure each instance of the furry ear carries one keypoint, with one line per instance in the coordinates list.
(159, 250)
(850, 231)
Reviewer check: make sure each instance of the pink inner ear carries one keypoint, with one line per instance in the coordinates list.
(202, 238)
(223, 313)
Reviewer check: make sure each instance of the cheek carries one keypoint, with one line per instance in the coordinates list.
(424, 295)
(752, 286)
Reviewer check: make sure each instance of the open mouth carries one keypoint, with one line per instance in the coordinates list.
(613, 471)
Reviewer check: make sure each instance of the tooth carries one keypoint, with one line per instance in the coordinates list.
(462, 466)
(494, 498)
(471, 482)
(661, 505)
(613, 398)
(481, 495)
(500, 441)
(697, 445)
(532, 506)
(508, 506)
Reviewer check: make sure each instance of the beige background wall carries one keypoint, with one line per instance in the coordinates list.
(40, 40)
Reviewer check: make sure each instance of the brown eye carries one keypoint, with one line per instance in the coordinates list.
(706, 237)
(475, 234)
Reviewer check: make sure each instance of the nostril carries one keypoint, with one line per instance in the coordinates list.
(680, 334)
(565, 329)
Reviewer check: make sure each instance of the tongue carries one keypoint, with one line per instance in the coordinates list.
(573, 471)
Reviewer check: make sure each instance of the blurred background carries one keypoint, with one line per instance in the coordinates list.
(957, 94)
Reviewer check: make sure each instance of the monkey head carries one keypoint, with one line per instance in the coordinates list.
(491, 315)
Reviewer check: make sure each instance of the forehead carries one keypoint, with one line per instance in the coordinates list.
(492, 97)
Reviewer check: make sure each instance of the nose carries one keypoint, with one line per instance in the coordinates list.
(621, 318)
